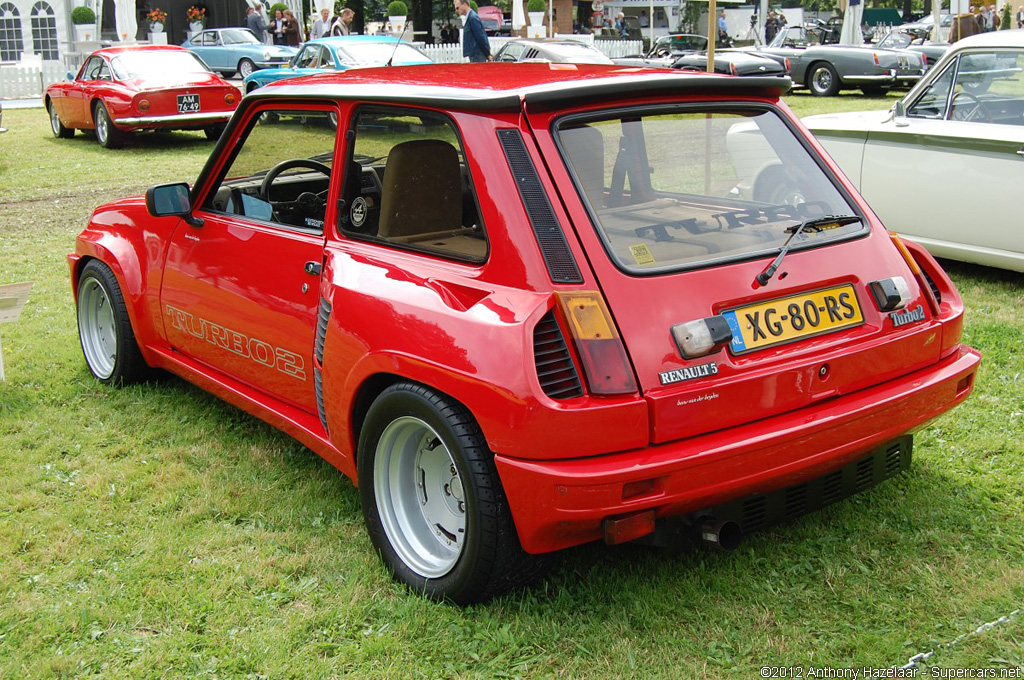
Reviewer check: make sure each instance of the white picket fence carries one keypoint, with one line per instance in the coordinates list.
(18, 81)
(21, 81)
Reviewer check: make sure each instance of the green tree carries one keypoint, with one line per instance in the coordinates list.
(1004, 23)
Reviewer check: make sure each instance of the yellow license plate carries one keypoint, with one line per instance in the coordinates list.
(793, 318)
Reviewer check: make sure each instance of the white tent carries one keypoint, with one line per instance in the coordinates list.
(125, 20)
(851, 33)
(518, 16)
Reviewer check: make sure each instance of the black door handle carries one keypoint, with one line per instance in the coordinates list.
(312, 268)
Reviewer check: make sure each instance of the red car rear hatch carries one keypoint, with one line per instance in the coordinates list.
(682, 209)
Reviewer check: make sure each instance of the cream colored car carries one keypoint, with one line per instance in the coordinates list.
(945, 166)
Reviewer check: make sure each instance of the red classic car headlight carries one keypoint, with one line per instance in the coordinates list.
(600, 348)
(143, 105)
(229, 98)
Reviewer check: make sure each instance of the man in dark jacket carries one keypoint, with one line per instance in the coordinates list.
(254, 22)
(474, 39)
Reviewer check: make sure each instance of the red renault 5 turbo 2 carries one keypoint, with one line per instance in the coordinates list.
(529, 306)
(120, 90)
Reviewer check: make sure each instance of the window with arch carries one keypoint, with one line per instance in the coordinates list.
(11, 42)
(44, 31)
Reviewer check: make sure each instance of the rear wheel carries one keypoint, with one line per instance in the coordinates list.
(213, 132)
(246, 67)
(107, 135)
(58, 127)
(823, 80)
(105, 329)
(432, 500)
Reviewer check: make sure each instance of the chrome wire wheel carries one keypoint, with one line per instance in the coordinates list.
(420, 497)
(55, 121)
(102, 129)
(97, 328)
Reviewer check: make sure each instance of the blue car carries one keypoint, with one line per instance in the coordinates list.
(228, 50)
(339, 54)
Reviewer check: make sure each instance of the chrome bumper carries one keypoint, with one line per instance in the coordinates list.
(180, 119)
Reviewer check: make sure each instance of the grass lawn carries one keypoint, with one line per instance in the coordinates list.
(156, 532)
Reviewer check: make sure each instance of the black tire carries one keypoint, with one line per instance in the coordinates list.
(776, 186)
(56, 126)
(213, 132)
(107, 135)
(874, 90)
(410, 428)
(105, 329)
(823, 80)
(246, 67)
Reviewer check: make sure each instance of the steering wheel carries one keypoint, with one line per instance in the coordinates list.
(973, 109)
(308, 202)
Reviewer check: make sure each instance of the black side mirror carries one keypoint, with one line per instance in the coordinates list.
(171, 199)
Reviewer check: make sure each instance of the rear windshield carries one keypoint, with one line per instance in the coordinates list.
(680, 190)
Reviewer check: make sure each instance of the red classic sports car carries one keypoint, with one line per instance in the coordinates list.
(527, 306)
(121, 89)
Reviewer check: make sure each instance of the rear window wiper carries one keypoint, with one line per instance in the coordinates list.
(817, 224)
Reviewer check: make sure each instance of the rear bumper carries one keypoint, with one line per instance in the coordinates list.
(182, 120)
(561, 503)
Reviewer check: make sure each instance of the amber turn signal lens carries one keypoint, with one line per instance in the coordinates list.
(229, 98)
(143, 105)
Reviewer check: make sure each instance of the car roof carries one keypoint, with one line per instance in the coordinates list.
(506, 86)
(110, 52)
(349, 39)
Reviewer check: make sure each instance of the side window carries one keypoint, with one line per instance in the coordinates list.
(932, 104)
(326, 59)
(407, 184)
(309, 57)
(91, 70)
(281, 172)
(989, 88)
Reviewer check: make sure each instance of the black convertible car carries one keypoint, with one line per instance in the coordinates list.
(688, 52)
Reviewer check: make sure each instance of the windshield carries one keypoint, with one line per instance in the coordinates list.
(238, 36)
(679, 190)
(379, 53)
(156, 64)
(578, 53)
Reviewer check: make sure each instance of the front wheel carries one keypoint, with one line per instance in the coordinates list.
(105, 329)
(432, 500)
(246, 68)
(823, 80)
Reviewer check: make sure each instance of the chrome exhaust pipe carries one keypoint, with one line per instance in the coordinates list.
(722, 534)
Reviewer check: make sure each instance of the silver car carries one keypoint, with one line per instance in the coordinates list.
(945, 166)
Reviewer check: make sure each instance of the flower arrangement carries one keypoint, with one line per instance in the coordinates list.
(196, 14)
(156, 16)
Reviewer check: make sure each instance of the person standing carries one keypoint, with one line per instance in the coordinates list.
(322, 26)
(292, 32)
(276, 27)
(1020, 17)
(474, 40)
(254, 22)
(343, 24)
(771, 27)
(723, 29)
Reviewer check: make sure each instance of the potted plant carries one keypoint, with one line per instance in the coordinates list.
(536, 9)
(84, 20)
(196, 18)
(156, 18)
(397, 11)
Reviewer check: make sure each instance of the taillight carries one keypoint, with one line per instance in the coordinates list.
(924, 59)
(789, 67)
(732, 69)
(933, 302)
(598, 344)
(875, 55)
(143, 105)
(229, 98)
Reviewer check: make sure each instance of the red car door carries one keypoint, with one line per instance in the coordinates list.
(240, 292)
